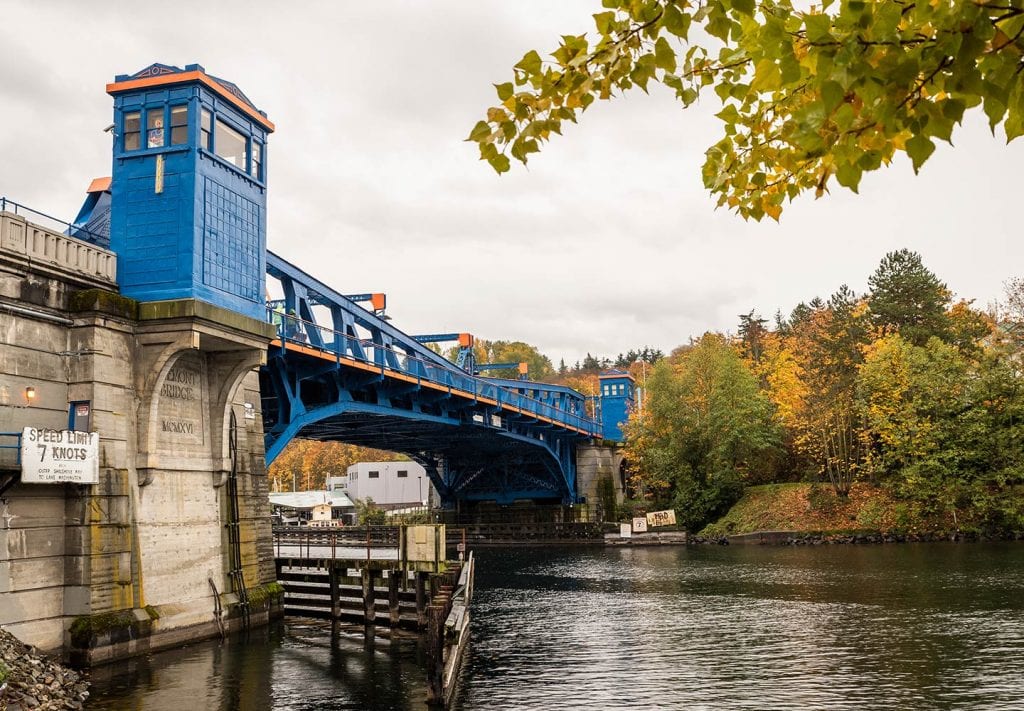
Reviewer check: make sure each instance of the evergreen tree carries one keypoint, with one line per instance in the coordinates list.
(908, 298)
(752, 333)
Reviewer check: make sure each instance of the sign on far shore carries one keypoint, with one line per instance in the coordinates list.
(59, 456)
(661, 518)
(639, 525)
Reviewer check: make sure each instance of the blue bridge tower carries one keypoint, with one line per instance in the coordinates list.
(188, 195)
(617, 398)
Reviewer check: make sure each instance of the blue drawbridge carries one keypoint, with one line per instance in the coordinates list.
(185, 212)
(340, 372)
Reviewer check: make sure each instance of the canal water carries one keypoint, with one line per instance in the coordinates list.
(915, 626)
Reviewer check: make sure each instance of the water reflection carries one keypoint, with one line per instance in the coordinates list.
(840, 627)
(846, 627)
(292, 667)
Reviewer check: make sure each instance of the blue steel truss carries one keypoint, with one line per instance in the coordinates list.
(360, 380)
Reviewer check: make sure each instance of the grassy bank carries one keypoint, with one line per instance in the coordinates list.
(814, 508)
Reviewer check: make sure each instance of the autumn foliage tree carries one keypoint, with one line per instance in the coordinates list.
(810, 94)
(705, 431)
(896, 388)
(305, 464)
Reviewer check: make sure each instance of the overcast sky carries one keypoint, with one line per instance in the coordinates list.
(607, 242)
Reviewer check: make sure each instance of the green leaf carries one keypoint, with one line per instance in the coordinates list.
(718, 25)
(504, 90)
(676, 21)
(1014, 125)
(919, 148)
(643, 70)
(790, 69)
(953, 109)
(831, 95)
(604, 21)
(500, 163)
(729, 114)
(530, 63)
(664, 55)
(819, 28)
(481, 131)
(995, 110)
(767, 76)
(744, 6)
(848, 176)
(844, 117)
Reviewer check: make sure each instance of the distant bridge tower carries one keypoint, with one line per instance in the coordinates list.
(617, 398)
(189, 189)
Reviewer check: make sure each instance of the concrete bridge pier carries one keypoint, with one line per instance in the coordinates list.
(595, 465)
(188, 494)
(180, 510)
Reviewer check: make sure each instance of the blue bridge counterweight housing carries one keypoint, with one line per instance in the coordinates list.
(189, 204)
(186, 214)
(617, 398)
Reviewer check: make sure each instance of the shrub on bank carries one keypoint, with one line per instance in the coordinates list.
(816, 508)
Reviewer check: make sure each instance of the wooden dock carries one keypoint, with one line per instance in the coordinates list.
(392, 577)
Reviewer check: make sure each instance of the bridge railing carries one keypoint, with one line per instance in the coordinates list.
(10, 448)
(52, 246)
(308, 539)
(293, 329)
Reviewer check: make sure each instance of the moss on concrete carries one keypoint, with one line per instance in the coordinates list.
(264, 594)
(193, 308)
(122, 624)
(107, 302)
(153, 613)
(4, 672)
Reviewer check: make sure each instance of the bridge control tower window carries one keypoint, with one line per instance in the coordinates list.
(155, 128)
(230, 145)
(257, 160)
(132, 131)
(205, 129)
(179, 125)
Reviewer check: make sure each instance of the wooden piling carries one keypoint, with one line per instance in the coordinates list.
(333, 577)
(369, 610)
(394, 581)
(435, 654)
(421, 600)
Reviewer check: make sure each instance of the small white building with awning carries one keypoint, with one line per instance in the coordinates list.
(319, 506)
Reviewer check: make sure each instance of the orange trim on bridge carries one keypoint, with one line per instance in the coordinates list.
(99, 185)
(323, 355)
(194, 75)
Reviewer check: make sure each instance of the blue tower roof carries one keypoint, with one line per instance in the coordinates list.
(162, 75)
(188, 191)
(616, 402)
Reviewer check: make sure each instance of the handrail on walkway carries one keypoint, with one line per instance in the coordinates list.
(346, 538)
(293, 329)
(8, 205)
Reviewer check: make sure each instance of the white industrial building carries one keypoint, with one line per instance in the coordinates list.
(391, 485)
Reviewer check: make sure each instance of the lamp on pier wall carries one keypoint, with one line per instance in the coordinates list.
(30, 394)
